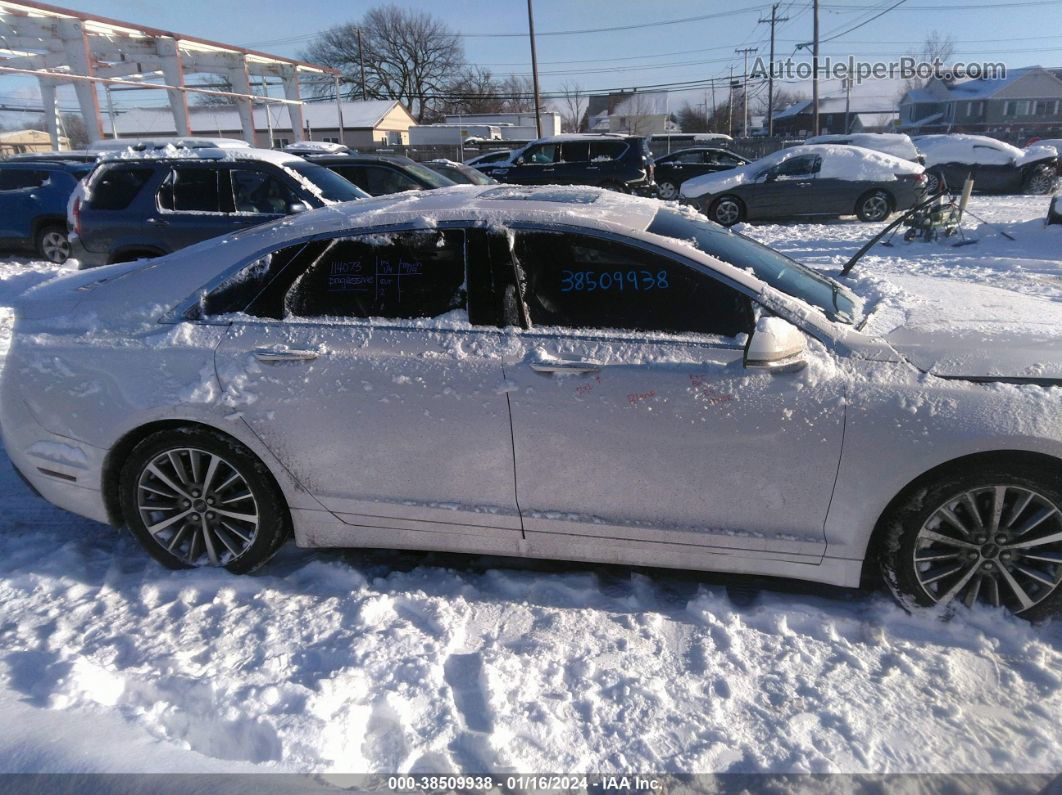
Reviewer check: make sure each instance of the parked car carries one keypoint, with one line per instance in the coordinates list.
(716, 404)
(490, 158)
(616, 162)
(33, 199)
(895, 144)
(152, 202)
(666, 143)
(59, 155)
(996, 167)
(670, 171)
(822, 179)
(379, 175)
(459, 173)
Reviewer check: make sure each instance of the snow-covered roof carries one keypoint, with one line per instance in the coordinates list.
(217, 118)
(203, 153)
(855, 104)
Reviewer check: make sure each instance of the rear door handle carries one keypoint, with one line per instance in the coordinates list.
(283, 355)
(565, 367)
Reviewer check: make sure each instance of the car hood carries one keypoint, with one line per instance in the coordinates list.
(977, 332)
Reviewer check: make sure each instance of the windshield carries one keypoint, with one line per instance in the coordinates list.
(433, 179)
(466, 174)
(333, 187)
(776, 269)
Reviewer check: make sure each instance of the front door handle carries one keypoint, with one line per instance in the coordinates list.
(565, 367)
(283, 355)
(156, 221)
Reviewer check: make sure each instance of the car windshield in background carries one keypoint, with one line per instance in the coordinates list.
(432, 178)
(777, 270)
(333, 187)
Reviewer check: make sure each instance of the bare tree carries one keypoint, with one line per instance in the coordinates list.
(73, 127)
(935, 48)
(518, 94)
(639, 113)
(474, 90)
(573, 107)
(409, 55)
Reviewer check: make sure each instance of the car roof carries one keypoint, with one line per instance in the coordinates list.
(170, 153)
(702, 149)
(583, 137)
(354, 157)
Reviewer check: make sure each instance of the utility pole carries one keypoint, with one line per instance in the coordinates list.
(534, 68)
(745, 88)
(110, 110)
(361, 62)
(774, 20)
(847, 102)
(714, 106)
(730, 106)
(815, 72)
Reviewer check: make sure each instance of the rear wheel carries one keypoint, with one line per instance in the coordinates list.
(668, 190)
(52, 244)
(194, 498)
(934, 184)
(727, 211)
(1041, 181)
(874, 206)
(987, 535)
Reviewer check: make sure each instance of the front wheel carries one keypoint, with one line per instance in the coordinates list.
(52, 244)
(874, 206)
(1041, 181)
(193, 497)
(984, 535)
(726, 211)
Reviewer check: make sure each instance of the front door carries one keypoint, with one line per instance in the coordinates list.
(194, 203)
(656, 432)
(358, 368)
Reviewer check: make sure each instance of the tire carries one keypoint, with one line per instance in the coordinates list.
(968, 554)
(727, 211)
(52, 243)
(1041, 181)
(934, 184)
(668, 190)
(164, 476)
(874, 206)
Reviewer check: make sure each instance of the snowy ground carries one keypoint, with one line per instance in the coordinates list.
(336, 661)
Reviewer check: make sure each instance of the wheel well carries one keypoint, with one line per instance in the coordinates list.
(116, 458)
(870, 559)
(45, 221)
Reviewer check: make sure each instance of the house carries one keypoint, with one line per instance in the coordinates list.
(630, 112)
(17, 142)
(837, 114)
(365, 124)
(1027, 101)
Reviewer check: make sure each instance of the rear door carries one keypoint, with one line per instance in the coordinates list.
(356, 364)
(572, 169)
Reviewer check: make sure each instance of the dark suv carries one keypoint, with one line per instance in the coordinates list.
(33, 198)
(150, 206)
(379, 175)
(617, 162)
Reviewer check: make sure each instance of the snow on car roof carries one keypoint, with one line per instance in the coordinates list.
(962, 148)
(170, 152)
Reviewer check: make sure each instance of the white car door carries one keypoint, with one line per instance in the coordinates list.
(656, 433)
(358, 368)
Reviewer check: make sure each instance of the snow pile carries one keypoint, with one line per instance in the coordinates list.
(850, 163)
(895, 144)
(978, 150)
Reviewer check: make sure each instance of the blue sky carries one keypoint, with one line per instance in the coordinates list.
(1018, 32)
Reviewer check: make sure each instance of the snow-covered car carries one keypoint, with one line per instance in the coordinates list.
(822, 179)
(547, 372)
(996, 167)
(895, 144)
(498, 157)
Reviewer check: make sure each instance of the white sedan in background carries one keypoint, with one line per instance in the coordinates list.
(562, 373)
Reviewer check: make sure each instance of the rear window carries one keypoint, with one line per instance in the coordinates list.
(434, 179)
(116, 188)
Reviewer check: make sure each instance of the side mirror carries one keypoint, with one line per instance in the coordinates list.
(297, 207)
(519, 161)
(776, 346)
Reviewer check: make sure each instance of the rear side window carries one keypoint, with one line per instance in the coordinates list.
(607, 150)
(116, 188)
(196, 190)
(21, 178)
(575, 151)
(582, 282)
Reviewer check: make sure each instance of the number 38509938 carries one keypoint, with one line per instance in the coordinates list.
(591, 281)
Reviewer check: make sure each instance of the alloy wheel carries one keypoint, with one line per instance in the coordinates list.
(875, 207)
(1042, 182)
(727, 212)
(668, 190)
(932, 184)
(999, 544)
(55, 246)
(197, 506)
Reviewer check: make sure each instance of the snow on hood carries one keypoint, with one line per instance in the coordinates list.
(979, 150)
(851, 163)
(958, 329)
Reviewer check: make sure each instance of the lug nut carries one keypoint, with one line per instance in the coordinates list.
(195, 492)
(977, 539)
(1005, 556)
(1001, 539)
(987, 566)
(210, 516)
(186, 504)
(210, 500)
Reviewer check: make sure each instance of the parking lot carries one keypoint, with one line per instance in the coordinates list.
(377, 661)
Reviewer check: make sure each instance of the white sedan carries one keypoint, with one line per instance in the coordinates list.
(549, 372)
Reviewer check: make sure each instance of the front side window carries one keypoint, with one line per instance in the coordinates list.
(582, 282)
(380, 180)
(391, 275)
(196, 190)
(799, 167)
(543, 154)
(689, 157)
(255, 191)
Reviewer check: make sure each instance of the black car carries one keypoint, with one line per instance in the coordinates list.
(674, 169)
(809, 180)
(995, 166)
(1054, 212)
(617, 162)
(459, 172)
(152, 205)
(379, 175)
